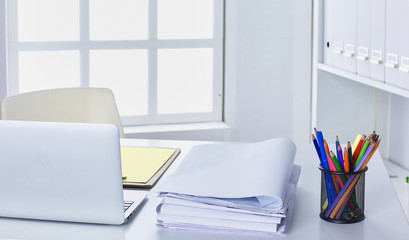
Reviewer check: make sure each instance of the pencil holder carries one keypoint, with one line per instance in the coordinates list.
(342, 196)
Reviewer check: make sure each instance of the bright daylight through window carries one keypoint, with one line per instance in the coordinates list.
(161, 58)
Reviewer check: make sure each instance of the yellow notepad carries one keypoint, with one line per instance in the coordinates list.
(143, 166)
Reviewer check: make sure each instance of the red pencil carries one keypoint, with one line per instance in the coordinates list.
(358, 148)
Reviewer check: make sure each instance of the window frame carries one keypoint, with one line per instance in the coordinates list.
(152, 44)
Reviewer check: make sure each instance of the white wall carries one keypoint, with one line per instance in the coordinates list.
(399, 131)
(344, 108)
(267, 69)
(302, 71)
(3, 88)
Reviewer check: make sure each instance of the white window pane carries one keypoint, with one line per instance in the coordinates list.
(48, 69)
(185, 19)
(126, 73)
(118, 20)
(48, 20)
(185, 80)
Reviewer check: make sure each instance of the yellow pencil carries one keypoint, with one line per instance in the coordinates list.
(358, 137)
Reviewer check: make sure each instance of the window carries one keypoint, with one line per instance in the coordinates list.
(162, 58)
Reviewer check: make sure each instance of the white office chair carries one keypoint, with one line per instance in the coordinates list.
(86, 105)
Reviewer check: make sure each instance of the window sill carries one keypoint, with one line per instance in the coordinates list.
(208, 131)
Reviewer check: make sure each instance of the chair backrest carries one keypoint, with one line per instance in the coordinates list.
(83, 105)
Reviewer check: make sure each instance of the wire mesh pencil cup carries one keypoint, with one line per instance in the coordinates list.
(349, 208)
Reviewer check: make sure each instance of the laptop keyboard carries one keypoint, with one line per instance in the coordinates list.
(127, 204)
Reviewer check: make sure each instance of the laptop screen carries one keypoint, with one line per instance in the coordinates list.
(61, 171)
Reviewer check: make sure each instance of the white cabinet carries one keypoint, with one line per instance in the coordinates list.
(344, 102)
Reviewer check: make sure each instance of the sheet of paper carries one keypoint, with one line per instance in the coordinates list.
(173, 210)
(235, 170)
(174, 199)
(265, 206)
(217, 225)
(139, 164)
(225, 223)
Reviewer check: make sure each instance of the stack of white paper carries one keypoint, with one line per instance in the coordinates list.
(232, 187)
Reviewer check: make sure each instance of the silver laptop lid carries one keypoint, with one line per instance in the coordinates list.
(60, 171)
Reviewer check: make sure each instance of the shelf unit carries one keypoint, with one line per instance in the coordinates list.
(366, 104)
(362, 90)
(390, 107)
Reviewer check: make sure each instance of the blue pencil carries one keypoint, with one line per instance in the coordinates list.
(339, 154)
(324, 162)
(317, 148)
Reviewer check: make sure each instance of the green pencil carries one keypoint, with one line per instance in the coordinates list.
(361, 154)
(336, 163)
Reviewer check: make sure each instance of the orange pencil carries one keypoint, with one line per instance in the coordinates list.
(376, 145)
(326, 147)
(346, 160)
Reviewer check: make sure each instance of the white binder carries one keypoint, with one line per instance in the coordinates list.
(345, 16)
(349, 15)
(337, 33)
(377, 39)
(328, 29)
(392, 42)
(404, 44)
(328, 26)
(364, 10)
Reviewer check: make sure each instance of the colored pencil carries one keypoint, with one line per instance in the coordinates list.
(336, 162)
(336, 143)
(340, 178)
(317, 147)
(328, 181)
(353, 146)
(335, 178)
(358, 148)
(326, 146)
(351, 162)
(363, 150)
(365, 159)
(374, 135)
(346, 160)
(340, 157)
(350, 157)
(321, 140)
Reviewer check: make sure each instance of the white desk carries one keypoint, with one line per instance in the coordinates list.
(384, 216)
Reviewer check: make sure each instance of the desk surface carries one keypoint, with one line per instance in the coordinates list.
(384, 216)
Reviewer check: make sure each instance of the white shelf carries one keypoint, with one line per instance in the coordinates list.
(364, 80)
(399, 184)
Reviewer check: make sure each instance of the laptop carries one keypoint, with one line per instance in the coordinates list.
(63, 172)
